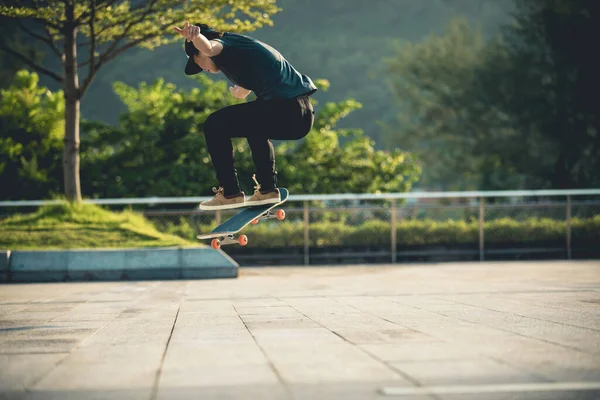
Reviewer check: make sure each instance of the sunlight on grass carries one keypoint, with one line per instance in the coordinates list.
(70, 226)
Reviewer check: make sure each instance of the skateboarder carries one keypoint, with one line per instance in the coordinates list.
(282, 109)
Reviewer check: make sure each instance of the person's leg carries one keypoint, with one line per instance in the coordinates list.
(258, 121)
(219, 128)
(263, 155)
(288, 119)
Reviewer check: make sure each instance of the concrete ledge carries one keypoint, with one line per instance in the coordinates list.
(120, 264)
(4, 265)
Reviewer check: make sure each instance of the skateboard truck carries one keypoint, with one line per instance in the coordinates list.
(216, 243)
(280, 215)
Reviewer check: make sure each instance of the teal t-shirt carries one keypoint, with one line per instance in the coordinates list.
(256, 66)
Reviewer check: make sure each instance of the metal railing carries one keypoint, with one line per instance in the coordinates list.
(309, 215)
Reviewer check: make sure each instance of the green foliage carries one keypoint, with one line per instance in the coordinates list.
(158, 149)
(557, 79)
(71, 226)
(114, 27)
(508, 112)
(31, 136)
(447, 116)
(9, 34)
(147, 24)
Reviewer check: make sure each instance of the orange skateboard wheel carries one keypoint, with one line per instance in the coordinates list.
(280, 215)
(215, 244)
(243, 240)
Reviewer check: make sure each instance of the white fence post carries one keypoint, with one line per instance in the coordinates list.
(306, 238)
(568, 227)
(393, 229)
(481, 230)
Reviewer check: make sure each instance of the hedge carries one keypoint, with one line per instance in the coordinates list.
(410, 232)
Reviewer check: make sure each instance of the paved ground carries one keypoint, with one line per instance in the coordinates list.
(436, 331)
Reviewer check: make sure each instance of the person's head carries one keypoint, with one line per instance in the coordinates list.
(197, 62)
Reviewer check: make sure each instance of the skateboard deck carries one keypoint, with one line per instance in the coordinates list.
(224, 233)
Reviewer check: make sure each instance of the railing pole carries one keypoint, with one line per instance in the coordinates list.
(306, 238)
(568, 227)
(481, 233)
(393, 229)
(218, 217)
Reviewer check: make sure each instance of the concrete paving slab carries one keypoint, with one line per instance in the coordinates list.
(230, 390)
(463, 372)
(115, 375)
(447, 331)
(21, 371)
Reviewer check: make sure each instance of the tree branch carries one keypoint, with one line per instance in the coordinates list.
(92, 71)
(31, 64)
(86, 14)
(34, 35)
(131, 24)
(115, 43)
(54, 46)
(43, 21)
(108, 57)
(118, 22)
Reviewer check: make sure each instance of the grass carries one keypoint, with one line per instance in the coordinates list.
(79, 226)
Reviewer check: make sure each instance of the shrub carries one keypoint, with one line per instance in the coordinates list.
(410, 232)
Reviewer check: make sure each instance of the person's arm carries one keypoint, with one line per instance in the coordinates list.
(207, 47)
(239, 92)
(192, 34)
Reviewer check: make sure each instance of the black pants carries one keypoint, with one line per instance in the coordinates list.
(258, 121)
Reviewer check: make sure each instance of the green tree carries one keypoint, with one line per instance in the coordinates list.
(555, 75)
(31, 139)
(158, 149)
(449, 114)
(334, 160)
(9, 34)
(112, 27)
(517, 110)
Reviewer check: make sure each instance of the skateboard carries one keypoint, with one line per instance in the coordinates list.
(224, 234)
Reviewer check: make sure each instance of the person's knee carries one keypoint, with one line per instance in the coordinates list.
(213, 124)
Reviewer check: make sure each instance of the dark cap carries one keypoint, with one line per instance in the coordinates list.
(191, 68)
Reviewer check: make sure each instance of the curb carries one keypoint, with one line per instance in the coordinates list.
(115, 264)
(4, 265)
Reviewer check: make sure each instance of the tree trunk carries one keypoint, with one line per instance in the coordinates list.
(72, 101)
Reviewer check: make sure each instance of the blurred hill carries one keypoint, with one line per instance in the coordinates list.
(343, 41)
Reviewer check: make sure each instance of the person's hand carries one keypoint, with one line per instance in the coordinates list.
(239, 92)
(189, 32)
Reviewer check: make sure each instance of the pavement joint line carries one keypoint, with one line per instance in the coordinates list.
(154, 393)
(500, 329)
(415, 381)
(498, 292)
(530, 303)
(494, 388)
(59, 362)
(519, 315)
(380, 317)
(372, 356)
(411, 294)
(271, 365)
(42, 376)
(33, 353)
